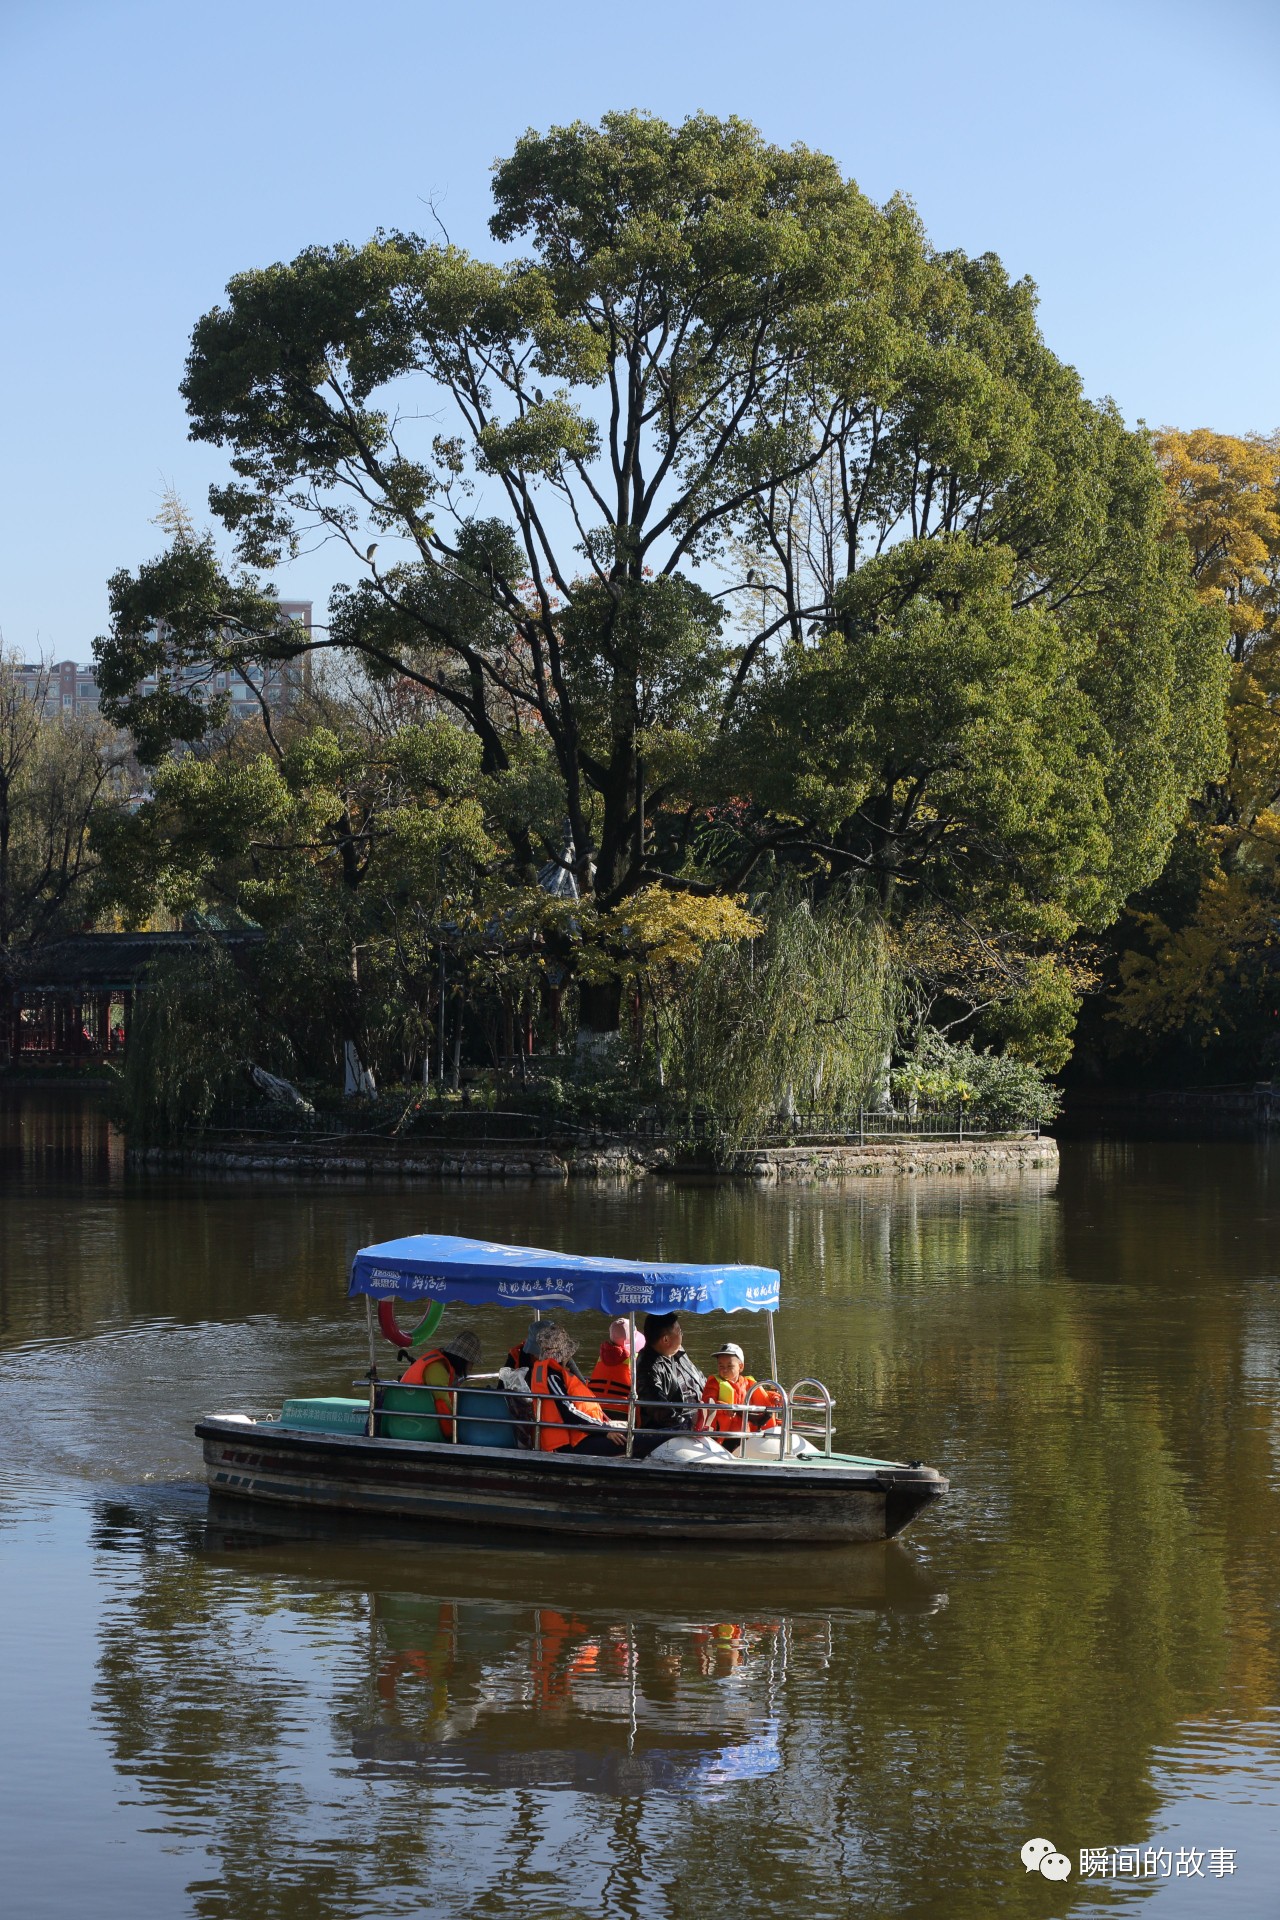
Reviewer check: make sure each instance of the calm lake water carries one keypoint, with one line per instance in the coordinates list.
(205, 1715)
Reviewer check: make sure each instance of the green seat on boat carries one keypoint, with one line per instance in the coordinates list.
(403, 1417)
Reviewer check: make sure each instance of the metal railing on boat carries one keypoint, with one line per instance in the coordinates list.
(806, 1413)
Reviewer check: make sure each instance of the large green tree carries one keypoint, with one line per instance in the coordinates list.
(996, 684)
(751, 512)
(995, 689)
(621, 393)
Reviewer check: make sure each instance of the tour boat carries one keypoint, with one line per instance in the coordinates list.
(352, 1455)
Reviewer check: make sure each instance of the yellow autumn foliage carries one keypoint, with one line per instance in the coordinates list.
(660, 928)
(1192, 977)
(1196, 979)
(1224, 499)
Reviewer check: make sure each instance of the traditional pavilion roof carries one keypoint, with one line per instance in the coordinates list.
(110, 962)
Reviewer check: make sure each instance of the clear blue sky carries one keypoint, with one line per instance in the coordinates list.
(1122, 154)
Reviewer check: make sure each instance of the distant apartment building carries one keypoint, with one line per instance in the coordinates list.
(73, 689)
(67, 687)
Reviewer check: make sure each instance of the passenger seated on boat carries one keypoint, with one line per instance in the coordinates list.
(567, 1416)
(664, 1372)
(523, 1355)
(740, 1405)
(611, 1380)
(444, 1366)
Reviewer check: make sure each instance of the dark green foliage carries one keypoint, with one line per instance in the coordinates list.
(182, 610)
(1014, 730)
(190, 1044)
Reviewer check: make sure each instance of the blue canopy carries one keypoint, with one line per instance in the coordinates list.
(483, 1273)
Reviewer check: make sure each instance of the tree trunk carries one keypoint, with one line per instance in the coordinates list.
(461, 1008)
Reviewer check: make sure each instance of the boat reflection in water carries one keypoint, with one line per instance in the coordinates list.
(516, 1697)
(605, 1679)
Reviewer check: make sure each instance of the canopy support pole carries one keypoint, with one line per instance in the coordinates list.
(371, 1426)
(631, 1394)
(773, 1347)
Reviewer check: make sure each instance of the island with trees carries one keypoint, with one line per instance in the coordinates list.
(765, 685)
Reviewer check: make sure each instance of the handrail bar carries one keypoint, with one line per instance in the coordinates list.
(790, 1425)
(776, 1388)
(527, 1393)
(826, 1403)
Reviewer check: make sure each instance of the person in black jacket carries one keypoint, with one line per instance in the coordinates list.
(666, 1373)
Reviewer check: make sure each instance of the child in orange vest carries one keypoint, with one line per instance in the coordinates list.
(733, 1389)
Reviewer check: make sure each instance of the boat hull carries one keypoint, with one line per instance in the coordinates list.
(559, 1493)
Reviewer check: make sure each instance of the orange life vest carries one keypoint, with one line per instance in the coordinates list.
(611, 1380)
(727, 1395)
(552, 1431)
(415, 1376)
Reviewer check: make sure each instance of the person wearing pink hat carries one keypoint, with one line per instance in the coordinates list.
(611, 1379)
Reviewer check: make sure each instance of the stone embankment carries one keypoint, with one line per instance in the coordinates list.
(896, 1158)
(355, 1158)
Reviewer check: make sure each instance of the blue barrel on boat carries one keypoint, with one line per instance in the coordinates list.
(483, 1420)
